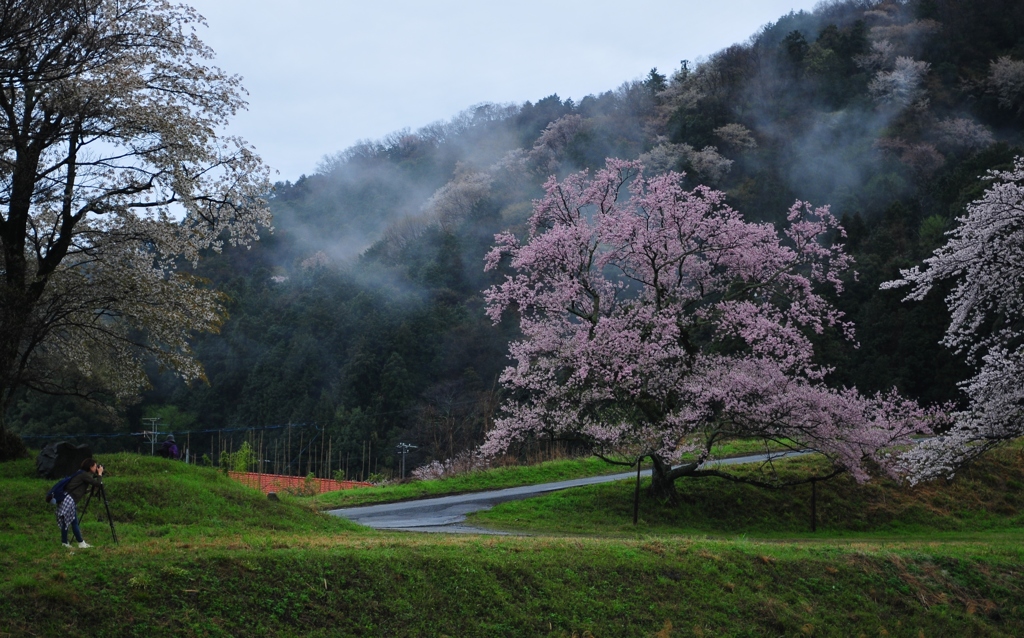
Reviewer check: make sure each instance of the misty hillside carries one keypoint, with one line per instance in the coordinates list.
(363, 310)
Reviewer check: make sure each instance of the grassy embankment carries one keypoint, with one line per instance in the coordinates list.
(501, 477)
(983, 502)
(200, 555)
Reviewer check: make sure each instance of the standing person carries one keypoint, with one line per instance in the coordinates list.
(67, 511)
(169, 449)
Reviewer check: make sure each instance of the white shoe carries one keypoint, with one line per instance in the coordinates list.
(84, 545)
(68, 545)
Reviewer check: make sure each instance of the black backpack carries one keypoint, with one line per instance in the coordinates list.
(56, 493)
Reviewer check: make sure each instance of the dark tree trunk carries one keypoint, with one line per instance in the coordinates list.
(663, 485)
(14, 318)
(11, 445)
(18, 295)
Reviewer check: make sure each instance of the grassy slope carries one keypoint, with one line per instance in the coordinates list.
(202, 556)
(491, 479)
(988, 498)
(499, 478)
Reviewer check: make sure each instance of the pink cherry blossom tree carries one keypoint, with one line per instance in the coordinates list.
(656, 322)
(985, 257)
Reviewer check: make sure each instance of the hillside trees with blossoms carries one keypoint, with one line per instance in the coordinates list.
(112, 174)
(984, 256)
(657, 321)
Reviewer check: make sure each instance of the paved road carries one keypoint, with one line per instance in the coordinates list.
(445, 514)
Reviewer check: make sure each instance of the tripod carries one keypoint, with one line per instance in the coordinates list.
(103, 494)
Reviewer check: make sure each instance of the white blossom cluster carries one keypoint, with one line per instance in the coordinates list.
(113, 176)
(902, 86)
(985, 257)
(463, 463)
(1006, 79)
(707, 164)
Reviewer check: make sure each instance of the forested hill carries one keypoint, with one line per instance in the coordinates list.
(363, 310)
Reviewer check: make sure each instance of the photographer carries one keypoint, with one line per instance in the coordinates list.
(67, 511)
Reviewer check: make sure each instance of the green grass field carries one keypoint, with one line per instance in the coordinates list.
(202, 556)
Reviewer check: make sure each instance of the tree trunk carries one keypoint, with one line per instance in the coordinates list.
(11, 445)
(663, 485)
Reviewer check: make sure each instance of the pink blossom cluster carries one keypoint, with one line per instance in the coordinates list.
(650, 312)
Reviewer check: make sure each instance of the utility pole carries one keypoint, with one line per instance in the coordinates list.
(636, 492)
(152, 433)
(403, 449)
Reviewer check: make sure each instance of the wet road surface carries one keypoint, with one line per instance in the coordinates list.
(447, 513)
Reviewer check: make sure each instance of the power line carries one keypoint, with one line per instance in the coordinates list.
(219, 430)
(175, 432)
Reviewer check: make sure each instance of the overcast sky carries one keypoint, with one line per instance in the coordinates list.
(323, 74)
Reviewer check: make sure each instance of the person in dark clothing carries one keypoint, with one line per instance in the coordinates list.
(169, 449)
(67, 511)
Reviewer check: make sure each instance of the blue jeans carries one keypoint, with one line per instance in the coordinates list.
(74, 528)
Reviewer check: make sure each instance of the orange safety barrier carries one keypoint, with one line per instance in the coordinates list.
(267, 483)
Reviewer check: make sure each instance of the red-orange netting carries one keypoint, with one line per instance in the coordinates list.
(267, 483)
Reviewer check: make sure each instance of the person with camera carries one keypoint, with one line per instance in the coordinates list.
(67, 512)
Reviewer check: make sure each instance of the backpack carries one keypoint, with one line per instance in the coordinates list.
(56, 493)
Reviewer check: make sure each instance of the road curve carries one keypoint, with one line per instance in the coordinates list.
(446, 513)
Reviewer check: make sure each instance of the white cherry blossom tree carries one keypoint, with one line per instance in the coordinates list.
(984, 256)
(1006, 79)
(113, 173)
(902, 86)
